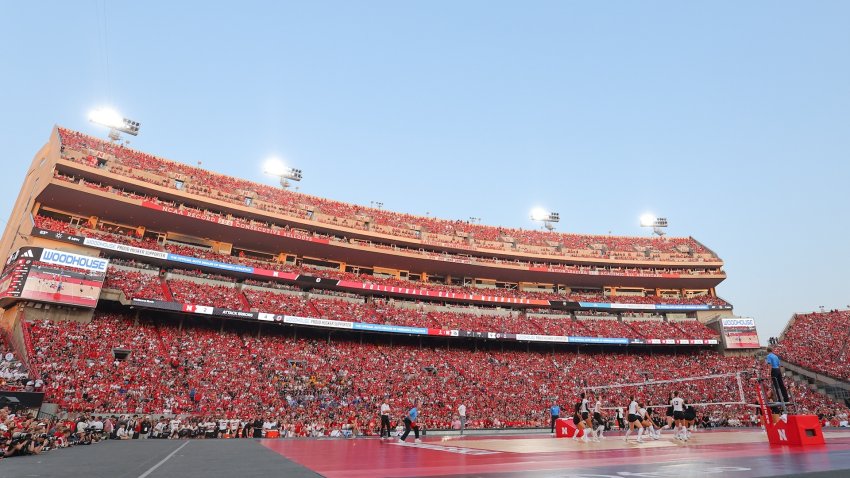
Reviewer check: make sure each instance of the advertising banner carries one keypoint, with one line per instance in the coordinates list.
(136, 251)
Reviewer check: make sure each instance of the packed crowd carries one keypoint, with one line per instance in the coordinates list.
(129, 162)
(261, 297)
(312, 387)
(13, 372)
(134, 283)
(209, 293)
(346, 308)
(612, 270)
(819, 342)
(112, 235)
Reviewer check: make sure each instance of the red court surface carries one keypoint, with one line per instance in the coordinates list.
(733, 453)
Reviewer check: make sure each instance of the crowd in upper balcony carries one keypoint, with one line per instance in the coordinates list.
(129, 236)
(819, 342)
(577, 269)
(94, 152)
(614, 270)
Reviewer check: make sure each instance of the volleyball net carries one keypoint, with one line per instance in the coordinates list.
(708, 390)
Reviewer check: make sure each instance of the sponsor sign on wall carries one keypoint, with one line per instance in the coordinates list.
(77, 261)
(739, 333)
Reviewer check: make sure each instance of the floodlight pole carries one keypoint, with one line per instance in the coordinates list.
(658, 226)
(548, 221)
(290, 174)
(116, 126)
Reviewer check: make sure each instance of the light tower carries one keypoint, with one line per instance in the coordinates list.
(116, 123)
(547, 218)
(275, 167)
(658, 224)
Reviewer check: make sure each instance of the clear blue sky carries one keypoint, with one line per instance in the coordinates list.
(730, 118)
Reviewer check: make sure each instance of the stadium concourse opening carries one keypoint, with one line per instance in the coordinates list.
(176, 321)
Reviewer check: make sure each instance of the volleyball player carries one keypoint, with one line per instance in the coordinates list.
(578, 422)
(678, 416)
(668, 416)
(634, 421)
(587, 422)
(646, 420)
(598, 421)
(690, 416)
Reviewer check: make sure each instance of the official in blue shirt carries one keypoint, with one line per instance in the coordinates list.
(555, 413)
(776, 375)
(410, 423)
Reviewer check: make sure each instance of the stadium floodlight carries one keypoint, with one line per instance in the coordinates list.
(275, 167)
(658, 224)
(538, 214)
(376, 204)
(116, 123)
(547, 218)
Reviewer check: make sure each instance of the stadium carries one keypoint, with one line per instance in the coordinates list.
(161, 310)
(424, 239)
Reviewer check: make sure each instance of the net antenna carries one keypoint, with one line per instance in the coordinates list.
(732, 383)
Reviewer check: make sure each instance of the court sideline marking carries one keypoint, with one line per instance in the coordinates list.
(151, 469)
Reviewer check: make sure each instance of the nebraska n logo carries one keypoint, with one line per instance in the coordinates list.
(782, 435)
(27, 254)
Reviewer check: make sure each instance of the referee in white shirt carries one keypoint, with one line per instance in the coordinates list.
(461, 411)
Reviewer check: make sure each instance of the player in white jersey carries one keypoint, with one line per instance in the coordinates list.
(678, 405)
(598, 421)
(634, 421)
(646, 421)
(586, 421)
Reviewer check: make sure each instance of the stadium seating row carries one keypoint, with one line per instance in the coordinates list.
(140, 284)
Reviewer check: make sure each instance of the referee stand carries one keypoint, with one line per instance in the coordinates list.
(788, 429)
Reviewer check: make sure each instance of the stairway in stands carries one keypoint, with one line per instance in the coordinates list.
(536, 326)
(246, 305)
(432, 322)
(314, 309)
(166, 291)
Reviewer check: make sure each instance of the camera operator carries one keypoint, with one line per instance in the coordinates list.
(122, 433)
(24, 443)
